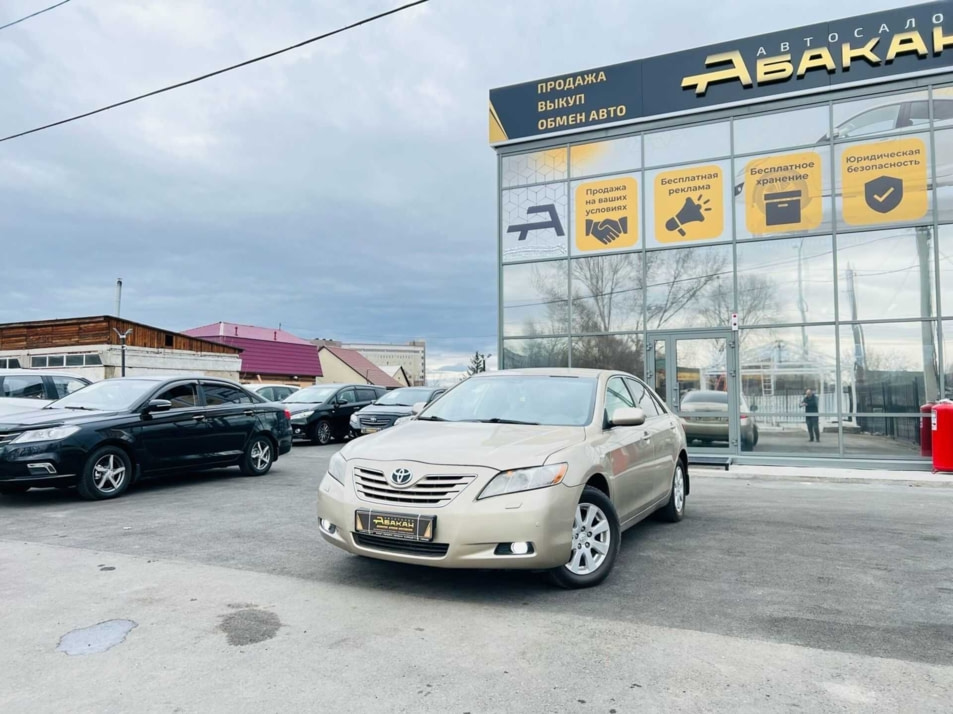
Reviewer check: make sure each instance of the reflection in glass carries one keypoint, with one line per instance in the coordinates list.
(883, 437)
(689, 287)
(536, 298)
(881, 114)
(788, 434)
(781, 130)
(888, 368)
(622, 352)
(661, 383)
(886, 274)
(948, 358)
(946, 269)
(534, 223)
(692, 143)
(535, 167)
(943, 165)
(542, 352)
(786, 281)
(703, 391)
(604, 157)
(701, 216)
(778, 365)
(607, 293)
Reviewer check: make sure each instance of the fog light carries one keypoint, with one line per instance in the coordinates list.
(327, 526)
(519, 548)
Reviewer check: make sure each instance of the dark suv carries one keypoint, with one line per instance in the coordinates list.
(394, 405)
(322, 413)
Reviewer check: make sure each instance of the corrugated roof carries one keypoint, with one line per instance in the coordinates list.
(363, 366)
(270, 357)
(248, 332)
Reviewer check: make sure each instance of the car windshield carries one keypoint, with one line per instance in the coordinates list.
(405, 397)
(312, 395)
(108, 395)
(518, 399)
(709, 397)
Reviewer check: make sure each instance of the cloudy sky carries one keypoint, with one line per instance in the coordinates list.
(345, 190)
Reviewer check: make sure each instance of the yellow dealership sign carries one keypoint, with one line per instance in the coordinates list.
(690, 204)
(607, 214)
(784, 193)
(884, 182)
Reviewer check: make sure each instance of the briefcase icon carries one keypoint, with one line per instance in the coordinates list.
(782, 208)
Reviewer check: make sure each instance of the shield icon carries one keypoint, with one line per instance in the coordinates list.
(884, 194)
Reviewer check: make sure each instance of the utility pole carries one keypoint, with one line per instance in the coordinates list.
(122, 343)
(860, 351)
(801, 303)
(118, 295)
(483, 362)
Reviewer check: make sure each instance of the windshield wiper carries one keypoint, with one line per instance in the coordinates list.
(431, 418)
(498, 420)
(85, 409)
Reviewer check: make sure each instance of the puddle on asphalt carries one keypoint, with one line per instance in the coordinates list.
(96, 639)
(249, 626)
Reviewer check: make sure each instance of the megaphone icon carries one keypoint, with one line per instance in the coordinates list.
(692, 212)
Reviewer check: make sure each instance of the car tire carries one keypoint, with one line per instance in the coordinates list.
(674, 510)
(754, 442)
(107, 474)
(589, 565)
(322, 433)
(13, 489)
(258, 457)
(746, 444)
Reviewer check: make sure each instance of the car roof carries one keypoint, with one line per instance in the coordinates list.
(47, 372)
(551, 372)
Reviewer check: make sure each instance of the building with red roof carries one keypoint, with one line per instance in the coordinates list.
(268, 354)
(341, 366)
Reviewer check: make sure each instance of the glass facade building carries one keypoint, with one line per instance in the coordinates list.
(738, 257)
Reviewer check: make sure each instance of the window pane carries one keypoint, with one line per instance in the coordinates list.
(786, 281)
(608, 215)
(782, 130)
(942, 107)
(888, 368)
(536, 167)
(218, 394)
(182, 397)
(56, 361)
(93, 360)
(643, 400)
(546, 352)
(948, 358)
(689, 287)
(38, 361)
(875, 115)
(883, 437)
(536, 298)
(783, 193)
(74, 360)
(607, 293)
(66, 385)
(621, 352)
(24, 387)
(605, 157)
(688, 204)
(779, 365)
(691, 143)
(887, 274)
(943, 163)
(534, 223)
(617, 397)
(789, 434)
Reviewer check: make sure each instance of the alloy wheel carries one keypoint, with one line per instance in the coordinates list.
(324, 433)
(109, 473)
(678, 489)
(591, 538)
(260, 455)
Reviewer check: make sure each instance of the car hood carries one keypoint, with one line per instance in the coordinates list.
(392, 410)
(496, 446)
(44, 417)
(298, 407)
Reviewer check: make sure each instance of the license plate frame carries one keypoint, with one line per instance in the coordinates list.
(370, 429)
(400, 526)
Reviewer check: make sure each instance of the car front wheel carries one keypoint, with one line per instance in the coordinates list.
(321, 433)
(259, 456)
(595, 542)
(674, 511)
(107, 474)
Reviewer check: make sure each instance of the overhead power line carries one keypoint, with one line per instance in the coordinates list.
(38, 12)
(217, 72)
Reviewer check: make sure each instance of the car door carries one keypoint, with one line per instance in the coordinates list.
(63, 386)
(628, 452)
(346, 404)
(177, 438)
(663, 435)
(231, 415)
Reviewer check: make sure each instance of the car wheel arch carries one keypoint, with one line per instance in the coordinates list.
(683, 460)
(268, 435)
(127, 447)
(599, 482)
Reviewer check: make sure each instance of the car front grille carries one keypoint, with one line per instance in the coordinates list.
(434, 491)
(376, 422)
(396, 545)
(6, 438)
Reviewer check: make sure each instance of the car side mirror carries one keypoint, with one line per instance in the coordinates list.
(417, 408)
(627, 416)
(158, 405)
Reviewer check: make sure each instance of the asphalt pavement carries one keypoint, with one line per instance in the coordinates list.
(219, 595)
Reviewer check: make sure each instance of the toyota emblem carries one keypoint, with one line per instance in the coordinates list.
(401, 477)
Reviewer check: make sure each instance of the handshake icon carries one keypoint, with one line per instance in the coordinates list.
(608, 229)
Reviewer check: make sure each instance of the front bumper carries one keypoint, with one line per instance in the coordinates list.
(41, 464)
(470, 529)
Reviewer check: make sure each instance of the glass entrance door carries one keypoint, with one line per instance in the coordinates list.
(694, 372)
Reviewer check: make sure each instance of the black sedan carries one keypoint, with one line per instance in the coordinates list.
(104, 437)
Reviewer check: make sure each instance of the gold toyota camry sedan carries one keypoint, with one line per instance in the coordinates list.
(538, 469)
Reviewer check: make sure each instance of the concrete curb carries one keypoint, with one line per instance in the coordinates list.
(815, 475)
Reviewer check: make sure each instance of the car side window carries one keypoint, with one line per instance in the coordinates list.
(182, 396)
(25, 386)
(617, 397)
(219, 394)
(347, 396)
(366, 395)
(919, 114)
(267, 393)
(281, 393)
(66, 385)
(643, 398)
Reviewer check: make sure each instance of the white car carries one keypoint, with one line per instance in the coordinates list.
(531, 469)
(26, 389)
(272, 392)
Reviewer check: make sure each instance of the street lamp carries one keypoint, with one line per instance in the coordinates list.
(483, 362)
(122, 343)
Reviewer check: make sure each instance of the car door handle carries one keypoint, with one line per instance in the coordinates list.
(647, 437)
(249, 412)
(199, 417)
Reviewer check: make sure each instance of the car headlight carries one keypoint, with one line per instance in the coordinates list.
(354, 422)
(337, 467)
(57, 433)
(403, 420)
(301, 416)
(524, 480)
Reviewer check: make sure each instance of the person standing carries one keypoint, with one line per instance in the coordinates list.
(810, 408)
